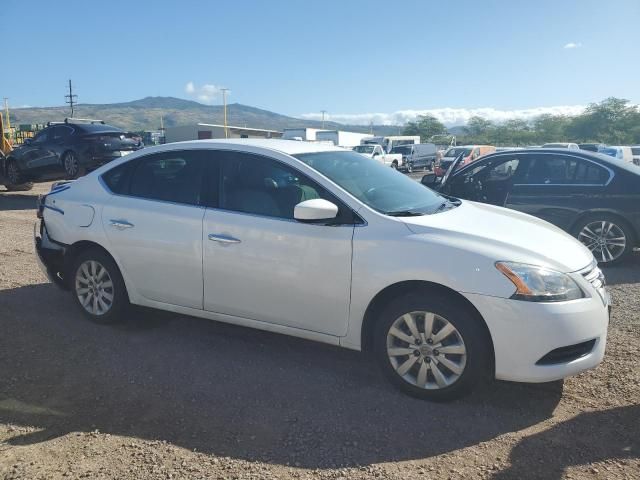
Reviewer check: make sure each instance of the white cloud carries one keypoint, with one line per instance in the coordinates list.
(572, 45)
(448, 116)
(206, 93)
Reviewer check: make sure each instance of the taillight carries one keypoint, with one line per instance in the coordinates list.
(40, 204)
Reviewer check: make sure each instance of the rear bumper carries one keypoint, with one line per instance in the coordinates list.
(50, 256)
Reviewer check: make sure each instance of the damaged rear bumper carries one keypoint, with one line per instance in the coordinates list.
(50, 255)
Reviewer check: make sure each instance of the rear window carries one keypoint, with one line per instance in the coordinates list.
(635, 150)
(98, 128)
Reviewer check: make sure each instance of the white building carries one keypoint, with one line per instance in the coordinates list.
(304, 133)
(341, 138)
(205, 131)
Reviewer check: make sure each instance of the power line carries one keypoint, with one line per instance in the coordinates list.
(71, 98)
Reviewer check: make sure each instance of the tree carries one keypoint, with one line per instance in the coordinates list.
(550, 128)
(478, 127)
(426, 126)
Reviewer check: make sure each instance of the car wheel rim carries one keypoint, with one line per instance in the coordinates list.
(606, 240)
(94, 288)
(426, 350)
(70, 164)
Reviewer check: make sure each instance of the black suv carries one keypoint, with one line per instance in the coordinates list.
(67, 149)
(594, 197)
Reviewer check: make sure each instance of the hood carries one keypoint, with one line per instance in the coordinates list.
(503, 234)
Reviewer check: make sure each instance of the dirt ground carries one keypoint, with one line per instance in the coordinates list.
(165, 396)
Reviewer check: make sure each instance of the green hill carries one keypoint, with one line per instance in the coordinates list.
(145, 114)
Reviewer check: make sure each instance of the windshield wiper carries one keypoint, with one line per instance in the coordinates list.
(405, 213)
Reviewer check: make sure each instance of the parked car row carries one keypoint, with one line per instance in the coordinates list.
(589, 195)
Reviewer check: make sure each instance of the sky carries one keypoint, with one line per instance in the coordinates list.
(384, 61)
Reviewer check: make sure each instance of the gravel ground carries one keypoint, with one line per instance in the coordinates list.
(166, 396)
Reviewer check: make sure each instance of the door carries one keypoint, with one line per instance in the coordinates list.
(260, 263)
(58, 139)
(558, 187)
(37, 155)
(154, 225)
(487, 181)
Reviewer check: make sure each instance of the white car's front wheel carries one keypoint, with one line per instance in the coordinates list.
(97, 287)
(432, 348)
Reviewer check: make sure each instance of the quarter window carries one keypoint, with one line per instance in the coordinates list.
(171, 177)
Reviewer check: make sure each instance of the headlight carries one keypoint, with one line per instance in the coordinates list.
(538, 284)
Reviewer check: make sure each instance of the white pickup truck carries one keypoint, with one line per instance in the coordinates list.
(394, 160)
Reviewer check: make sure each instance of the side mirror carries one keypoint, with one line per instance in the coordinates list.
(429, 180)
(27, 141)
(315, 210)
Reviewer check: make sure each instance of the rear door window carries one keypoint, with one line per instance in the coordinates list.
(563, 170)
(60, 133)
(171, 177)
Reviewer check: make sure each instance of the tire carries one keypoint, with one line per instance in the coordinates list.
(409, 167)
(462, 371)
(87, 282)
(15, 180)
(71, 165)
(394, 165)
(610, 247)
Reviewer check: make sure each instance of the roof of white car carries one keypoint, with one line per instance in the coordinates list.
(289, 147)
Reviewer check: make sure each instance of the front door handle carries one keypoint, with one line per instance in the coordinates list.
(120, 224)
(222, 238)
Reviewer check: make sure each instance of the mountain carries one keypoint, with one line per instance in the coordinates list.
(145, 114)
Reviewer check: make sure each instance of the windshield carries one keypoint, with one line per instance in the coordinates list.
(377, 186)
(612, 152)
(364, 148)
(403, 149)
(454, 152)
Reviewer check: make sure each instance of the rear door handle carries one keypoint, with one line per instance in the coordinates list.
(120, 224)
(222, 238)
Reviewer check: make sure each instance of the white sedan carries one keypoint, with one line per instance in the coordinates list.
(319, 242)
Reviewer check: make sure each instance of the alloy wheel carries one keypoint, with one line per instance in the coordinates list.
(94, 287)
(71, 164)
(13, 173)
(426, 350)
(606, 240)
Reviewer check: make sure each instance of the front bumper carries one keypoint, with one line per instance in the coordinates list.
(50, 256)
(523, 333)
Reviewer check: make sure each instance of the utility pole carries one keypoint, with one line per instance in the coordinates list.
(71, 98)
(6, 115)
(224, 102)
(323, 112)
(371, 127)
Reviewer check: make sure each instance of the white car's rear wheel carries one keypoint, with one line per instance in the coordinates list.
(98, 287)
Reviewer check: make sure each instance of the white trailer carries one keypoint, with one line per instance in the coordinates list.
(304, 133)
(341, 138)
